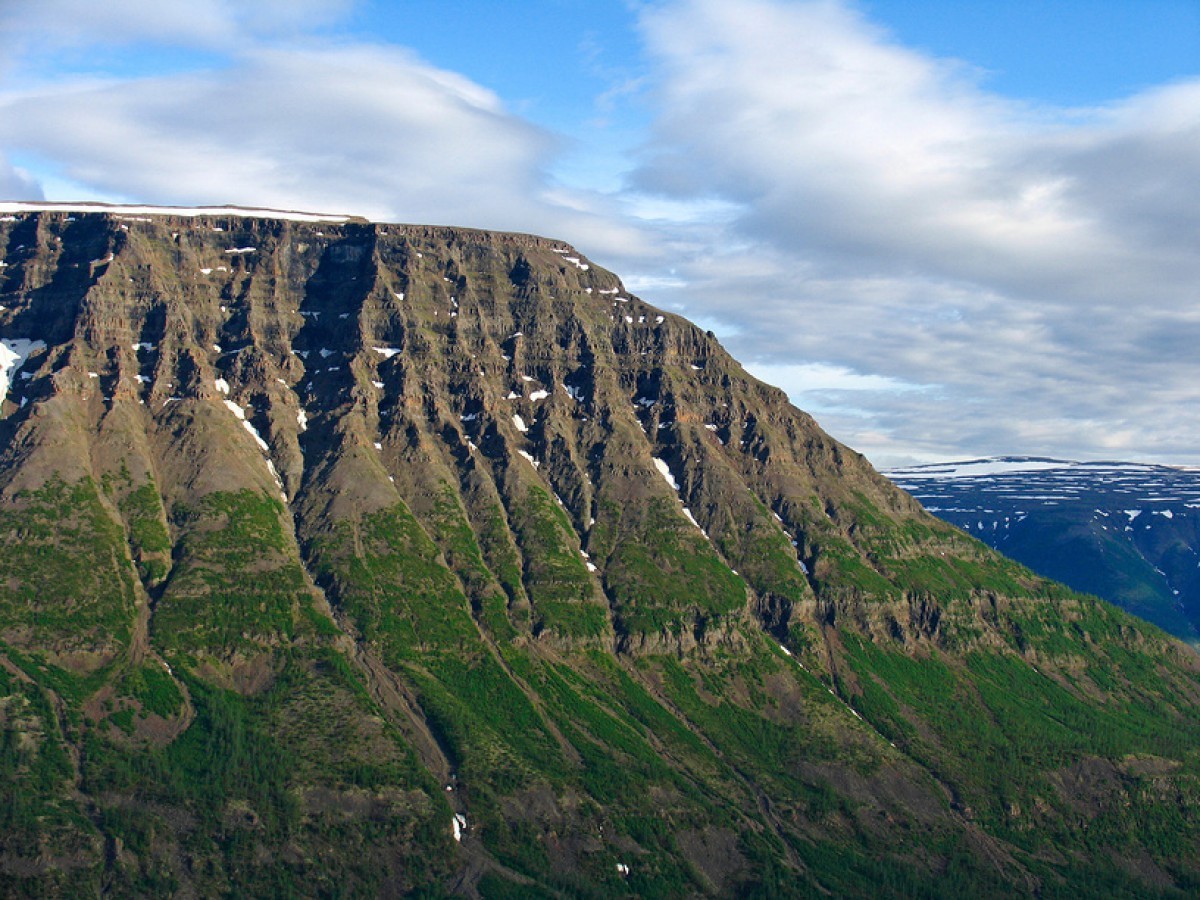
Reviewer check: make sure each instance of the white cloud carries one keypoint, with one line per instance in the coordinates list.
(49, 25)
(17, 183)
(375, 130)
(894, 220)
(368, 130)
(800, 379)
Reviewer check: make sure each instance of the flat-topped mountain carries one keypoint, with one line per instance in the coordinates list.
(348, 558)
(1127, 532)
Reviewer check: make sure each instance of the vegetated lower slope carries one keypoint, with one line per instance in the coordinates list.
(1127, 532)
(341, 558)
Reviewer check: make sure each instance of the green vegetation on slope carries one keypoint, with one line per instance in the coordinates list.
(67, 582)
(235, 586)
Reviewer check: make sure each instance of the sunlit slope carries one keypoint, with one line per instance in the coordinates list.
(342, 557)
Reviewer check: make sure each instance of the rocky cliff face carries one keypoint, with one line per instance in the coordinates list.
(345, 556)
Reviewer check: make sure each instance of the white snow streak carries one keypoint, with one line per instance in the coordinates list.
(665, 471)
(241, 414)
(13, 353)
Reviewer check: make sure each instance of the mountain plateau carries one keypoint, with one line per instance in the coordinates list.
(342, 558)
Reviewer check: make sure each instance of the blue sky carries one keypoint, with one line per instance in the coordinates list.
(947, 229)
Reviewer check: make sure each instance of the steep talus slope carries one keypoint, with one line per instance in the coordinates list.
(354, 558)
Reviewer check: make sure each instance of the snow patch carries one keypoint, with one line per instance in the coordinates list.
(241, 415)
(519, 424)
(539, 395)
(13, 353)
(665, 471)
(386, 352)
(533, 462)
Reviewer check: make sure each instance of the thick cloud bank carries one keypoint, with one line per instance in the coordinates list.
(1033, 270)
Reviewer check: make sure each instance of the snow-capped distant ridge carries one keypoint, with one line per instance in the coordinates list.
(992, 465)
(12, 207)
(1013, 465)
(1000, 490)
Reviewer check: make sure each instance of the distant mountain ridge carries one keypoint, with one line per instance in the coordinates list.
(1127, 532)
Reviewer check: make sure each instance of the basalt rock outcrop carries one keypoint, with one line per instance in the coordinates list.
(348, 558)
